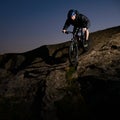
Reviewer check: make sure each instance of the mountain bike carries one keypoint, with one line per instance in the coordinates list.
(77, 41)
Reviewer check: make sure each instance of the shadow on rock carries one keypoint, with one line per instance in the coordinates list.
(101, 96)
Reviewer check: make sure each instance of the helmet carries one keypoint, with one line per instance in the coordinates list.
(71, 13)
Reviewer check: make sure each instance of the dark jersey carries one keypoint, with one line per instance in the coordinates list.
(81, 21)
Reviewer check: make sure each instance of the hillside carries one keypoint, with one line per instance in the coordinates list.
(37, 85)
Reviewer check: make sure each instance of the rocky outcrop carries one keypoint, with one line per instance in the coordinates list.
(38, 85)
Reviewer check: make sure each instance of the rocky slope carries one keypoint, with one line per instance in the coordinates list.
(38, 85)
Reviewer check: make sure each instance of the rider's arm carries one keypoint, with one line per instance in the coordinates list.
(66, 25)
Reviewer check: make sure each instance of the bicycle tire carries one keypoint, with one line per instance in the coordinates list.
(73, 53)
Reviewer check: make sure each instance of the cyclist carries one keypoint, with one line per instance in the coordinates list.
(77, 20)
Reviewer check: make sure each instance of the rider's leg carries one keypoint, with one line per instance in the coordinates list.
(86, 36)
(86, 31)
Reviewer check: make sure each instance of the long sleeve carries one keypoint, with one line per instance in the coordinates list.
(66, 25)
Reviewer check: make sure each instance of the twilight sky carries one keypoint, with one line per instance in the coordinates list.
(29, 24)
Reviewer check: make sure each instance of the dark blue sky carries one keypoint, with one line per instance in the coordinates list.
(28, 24)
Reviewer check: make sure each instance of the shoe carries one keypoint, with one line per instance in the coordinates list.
(85, 44)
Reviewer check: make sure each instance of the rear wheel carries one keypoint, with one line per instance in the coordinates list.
(73, 53)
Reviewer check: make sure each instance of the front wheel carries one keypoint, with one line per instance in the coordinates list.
(73, 53)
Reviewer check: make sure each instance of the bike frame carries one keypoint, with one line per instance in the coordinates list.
(73, 48)
(80, 34)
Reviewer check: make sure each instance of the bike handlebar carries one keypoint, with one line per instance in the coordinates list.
(68, 32)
